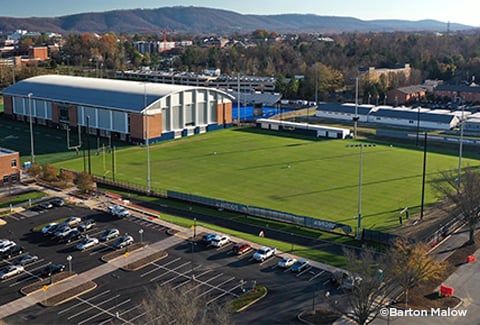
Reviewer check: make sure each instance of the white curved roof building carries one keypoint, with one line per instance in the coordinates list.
(119, 108)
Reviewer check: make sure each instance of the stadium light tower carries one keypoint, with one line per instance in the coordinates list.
(32, 154)
(360, 180)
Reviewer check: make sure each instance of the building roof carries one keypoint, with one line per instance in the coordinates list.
(411, 89)
(462, 88)
(104, 93)
(413, 115)
(345, 108)
(5, 151)
(252, 98)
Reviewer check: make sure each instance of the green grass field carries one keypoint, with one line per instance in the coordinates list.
(251, 167)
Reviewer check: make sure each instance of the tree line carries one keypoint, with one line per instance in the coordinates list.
(326, 65)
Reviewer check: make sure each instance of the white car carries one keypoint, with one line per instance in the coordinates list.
(87, 243)
(263, 253)
(109, 234)
(286, 262)
(219, 241)
(48, 227)
(62, 231)
(123, 241)
(73, 221)
(119, 211)
(10, 271)
(5, 245)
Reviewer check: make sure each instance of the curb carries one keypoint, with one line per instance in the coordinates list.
(253, 302)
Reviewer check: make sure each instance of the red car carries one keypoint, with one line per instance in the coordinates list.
(241, 248)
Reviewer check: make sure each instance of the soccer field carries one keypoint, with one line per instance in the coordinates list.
(307, 177)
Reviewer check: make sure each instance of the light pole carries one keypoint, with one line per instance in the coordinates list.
(460, 151)
(360, 180)
(141, 235)
(194, 228)
(355, 118)
(147, 136)
(32, 154)
(423, 175)
(69, 259)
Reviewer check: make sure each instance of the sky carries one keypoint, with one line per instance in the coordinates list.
(458, 11)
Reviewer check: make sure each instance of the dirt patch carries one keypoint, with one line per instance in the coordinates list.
(156, 256)
(69, 294)
(40, 284)
(172, 232)
(112, 255)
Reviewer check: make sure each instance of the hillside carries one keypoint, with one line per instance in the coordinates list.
(206, 20)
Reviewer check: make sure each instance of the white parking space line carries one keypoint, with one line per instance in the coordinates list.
(138, 316)
(326, 281)
(104, 311)
(81, 303)
(13, 217)
(92, 306)
(200, 283)
(123, 313)
(217, 287)
(180, 275)
(223, 294)
(169, 271)
(303, 272)
(316, 275)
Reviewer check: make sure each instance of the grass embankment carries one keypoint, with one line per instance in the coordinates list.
(20, 198)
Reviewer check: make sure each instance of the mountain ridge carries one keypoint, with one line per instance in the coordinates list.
(214, 21)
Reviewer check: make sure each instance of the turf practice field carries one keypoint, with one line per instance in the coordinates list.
(306, 177)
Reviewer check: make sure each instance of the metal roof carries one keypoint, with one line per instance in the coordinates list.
(266, 99)
(345, 108)
(413, 115)
(105, 93)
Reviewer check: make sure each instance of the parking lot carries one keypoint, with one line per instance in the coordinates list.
(217, 274)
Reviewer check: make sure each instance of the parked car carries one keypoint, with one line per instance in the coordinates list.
(86, 224)
(123, 241)
(338, 278)
(73, 221)
(119, 211)
(53, 229)
(10, 271)
(5, 245)
(286, 262)
(109, 234)
(13, 251)
(61, 232)
(52, 269)
(46, 205)
(264, 253)
(241, 248)
(72, 235)
(58, 202)
(220, 241)
(300, 265)
(87, 243)
(207, 238)
(47, 228)
(26, 259)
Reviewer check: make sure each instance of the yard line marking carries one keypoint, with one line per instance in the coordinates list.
(316, 275)
(81, 303)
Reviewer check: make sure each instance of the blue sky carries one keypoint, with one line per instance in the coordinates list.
(458, 11)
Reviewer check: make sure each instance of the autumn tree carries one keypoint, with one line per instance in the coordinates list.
(66, 176)
(85, 182)
(464, 194)
(372, 289)
(35, 170)
(411, 265)
(166, 305)
(49, 173)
